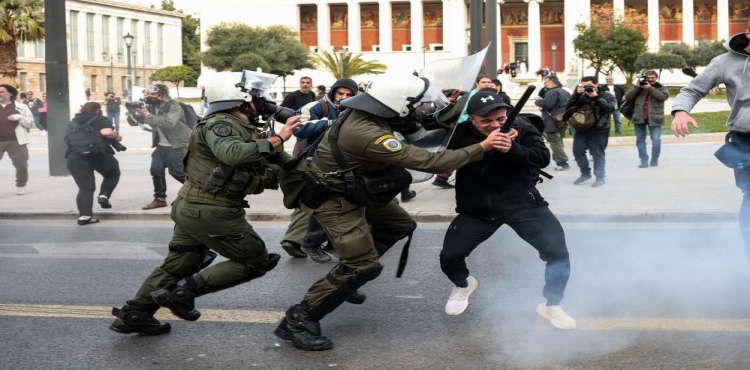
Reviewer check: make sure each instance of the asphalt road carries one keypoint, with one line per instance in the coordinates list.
(646, 296)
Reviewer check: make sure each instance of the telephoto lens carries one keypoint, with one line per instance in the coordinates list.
(588, 89)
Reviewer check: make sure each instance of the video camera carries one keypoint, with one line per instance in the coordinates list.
(134, 105)
(642, 78)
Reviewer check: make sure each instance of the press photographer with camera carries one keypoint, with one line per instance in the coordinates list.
(90, 138)
(113, 109)
(649, 97)
(170, 135)
(596, 104)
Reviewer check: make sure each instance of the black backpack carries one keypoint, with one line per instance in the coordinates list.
(191, 118)
(83, 138)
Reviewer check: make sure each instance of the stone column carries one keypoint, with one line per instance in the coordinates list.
(653, 25)
(688, 22)
(354, 28)
(447, 25)
(417, 25)
(619, 8)
(500, 36)
(535, 37)
(385, 29)
(324, 26)
(573, 12)
(454, 26)
(722, 19)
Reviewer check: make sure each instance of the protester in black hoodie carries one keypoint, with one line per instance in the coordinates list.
(103, 161)
(501, 189)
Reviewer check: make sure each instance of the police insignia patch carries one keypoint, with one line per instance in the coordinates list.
(392, 145)
(222, 130)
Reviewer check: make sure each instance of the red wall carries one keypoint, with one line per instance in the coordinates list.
(401, 36)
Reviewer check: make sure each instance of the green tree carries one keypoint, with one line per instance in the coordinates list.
(168, 5)
(353, 64)
(697, 56)
(625, 44)
(175, 75)
(20, 21)
(589, 46)
(237, 46)
(659, 61)
(191, 41)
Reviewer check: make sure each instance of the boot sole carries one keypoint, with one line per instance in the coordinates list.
(134, 331)
(288, 338)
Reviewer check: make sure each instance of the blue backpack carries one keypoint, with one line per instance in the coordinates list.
(83, 138)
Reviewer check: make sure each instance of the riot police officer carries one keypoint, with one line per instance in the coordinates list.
(363, 144)
(227, 159)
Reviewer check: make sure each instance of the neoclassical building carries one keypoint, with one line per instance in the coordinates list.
(95, 41)
(408, 34)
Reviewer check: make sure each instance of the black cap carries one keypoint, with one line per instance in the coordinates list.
(483, 102)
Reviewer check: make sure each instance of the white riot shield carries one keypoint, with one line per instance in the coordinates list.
(458, 73)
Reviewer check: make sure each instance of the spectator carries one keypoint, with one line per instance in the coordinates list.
(648, 113)
(204, 101)
(34, 104)
(102, 161)
(321, 90)
(113, 110)
(499, 87)
(589, 95)
(15, 121)
(296, 100)
(125, 93)
(43, 114)
(554, 101)
(88, 94)
(618, 92)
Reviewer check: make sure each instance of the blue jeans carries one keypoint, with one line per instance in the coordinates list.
(115, 118)
(594, 142)
(618, 124)
(640, 140)
(202, 108)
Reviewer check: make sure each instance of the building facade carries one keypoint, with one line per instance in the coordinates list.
(406, 35)
(95, 42)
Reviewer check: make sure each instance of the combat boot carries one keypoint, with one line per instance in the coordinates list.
(179, 297)
(138, 318)
(356, 298)
(297, 327)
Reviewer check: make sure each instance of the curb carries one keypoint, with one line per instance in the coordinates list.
(427, 217)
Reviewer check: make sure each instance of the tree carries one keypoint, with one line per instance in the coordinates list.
(625, 44)
(659, 61)
(168, 5)
(697, 56)
(20, 21)
(175, 75)
(353, 64)
(191, 41)
(236, 46)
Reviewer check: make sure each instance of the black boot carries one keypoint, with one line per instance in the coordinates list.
(179, 297)
(407, 195)
(138, 318)
(316, 254)
(298, 328)
(357, 298)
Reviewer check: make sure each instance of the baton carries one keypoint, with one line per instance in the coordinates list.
(517, 109)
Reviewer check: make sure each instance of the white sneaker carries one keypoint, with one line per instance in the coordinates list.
(556, 316)
(459, 299)
(20, 190)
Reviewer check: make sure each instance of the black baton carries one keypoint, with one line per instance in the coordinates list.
(517, 109)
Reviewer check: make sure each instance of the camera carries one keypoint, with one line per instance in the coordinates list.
(134, 105)
(589, 89)
(642, 79)
(269, 110)
(116, 145)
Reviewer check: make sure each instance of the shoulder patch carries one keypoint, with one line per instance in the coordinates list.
(222, 130)
(392, 145)
(380, 139)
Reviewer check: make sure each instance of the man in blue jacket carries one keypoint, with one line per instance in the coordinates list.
(501, 189)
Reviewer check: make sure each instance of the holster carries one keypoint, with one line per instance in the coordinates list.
(315, 192)
(377, 189)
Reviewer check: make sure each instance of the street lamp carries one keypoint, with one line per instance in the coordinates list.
(342, 50)
(468, 37)
(424, 58)
(129, 41)
(554, 57)
(110, 83)
(135, 66)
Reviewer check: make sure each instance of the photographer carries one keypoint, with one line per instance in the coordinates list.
(589, 96)
(170, 135)
(99, 158)
(113, 110)
(649, 97)
(553, 102)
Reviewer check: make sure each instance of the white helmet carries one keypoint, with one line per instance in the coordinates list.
(227, 91)
(396, 95)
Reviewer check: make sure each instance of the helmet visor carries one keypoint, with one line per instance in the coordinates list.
(432, 101)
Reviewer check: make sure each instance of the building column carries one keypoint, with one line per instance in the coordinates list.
(499, 20)
(354, 26)
(535, 37)
(653, 25)
(688, 22)
(722, 19)
(417, 25)
(455, 22)
(385, 30)
(574, 12)
(324, 26)
(447, 26)
(619, 9)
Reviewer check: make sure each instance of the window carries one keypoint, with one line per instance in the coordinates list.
(21, 49)
(314, 49)
(110, 87)
(106, 34)
(42, 82)
(90, 52)
(160, 43)
(93, 83)
(138, 81)
(134, 30)
(39, 49)
(124, 82)
(147, 43)
(436, 47)
(22, 81)
(73, 35)
(376, 48)
(120, 41)
(405, 47)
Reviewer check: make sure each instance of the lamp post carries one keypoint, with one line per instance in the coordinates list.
(424, 58)
(135, 67)
(129, 41)
(554, 57)
(111, 82)
(341, 62)
(468, 37)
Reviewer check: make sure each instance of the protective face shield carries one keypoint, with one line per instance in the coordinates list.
(256, 85)
(398, 96)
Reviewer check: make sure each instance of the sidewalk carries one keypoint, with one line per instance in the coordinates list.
(689, 185)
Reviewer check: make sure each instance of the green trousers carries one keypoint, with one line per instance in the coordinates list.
(555, 140)
(297, 227)
(200, 227)
(360, 236)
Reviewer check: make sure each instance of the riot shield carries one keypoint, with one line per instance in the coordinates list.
(457, 73)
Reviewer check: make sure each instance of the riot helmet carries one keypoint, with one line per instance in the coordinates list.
(397, 96)
(223, 94)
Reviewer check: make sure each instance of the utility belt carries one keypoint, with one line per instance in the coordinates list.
(196, 194)
(238, 182)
